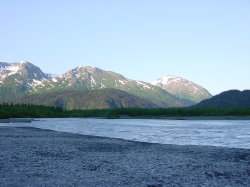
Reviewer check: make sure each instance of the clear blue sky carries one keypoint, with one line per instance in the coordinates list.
(205, 41)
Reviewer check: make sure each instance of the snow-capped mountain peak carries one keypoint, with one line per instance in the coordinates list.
(85, 67)
(21, 72)
(7, 70)
(182, 88)
(167, 80)
(18, 78)
(24, 62)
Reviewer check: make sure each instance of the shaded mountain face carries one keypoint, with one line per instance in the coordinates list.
(231, 98)
(87, 99)
(91, 78)
(16, 79)
(182, 88)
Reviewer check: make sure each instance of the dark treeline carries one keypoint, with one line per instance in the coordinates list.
(34, 111)
(30, 111)
(162, 112)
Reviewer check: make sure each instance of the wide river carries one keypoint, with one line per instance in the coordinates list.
(228, 133)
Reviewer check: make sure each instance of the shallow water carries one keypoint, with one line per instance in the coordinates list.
(227, 133)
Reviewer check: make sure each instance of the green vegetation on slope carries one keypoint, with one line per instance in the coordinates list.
(231, 98)
(8, 92)
(87, 99)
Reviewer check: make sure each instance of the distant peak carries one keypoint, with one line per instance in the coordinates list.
(167, 77)
(85, 67)
(182, 88)
(170, 77)
(23, 62)
(166, 80)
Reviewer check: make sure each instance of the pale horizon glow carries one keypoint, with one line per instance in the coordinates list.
(206, 42)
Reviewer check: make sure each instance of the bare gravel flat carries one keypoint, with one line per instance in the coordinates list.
(35, 157)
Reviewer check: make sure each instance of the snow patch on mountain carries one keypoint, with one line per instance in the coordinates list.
(122, 82)
(54, 80)
(92, 80)
(102, 85)
(167, 80)
(36, 82)
(23, 62)
(86, 68)
(145, 86)
(7, 70)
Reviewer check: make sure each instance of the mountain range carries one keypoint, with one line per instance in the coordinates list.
(21, 79)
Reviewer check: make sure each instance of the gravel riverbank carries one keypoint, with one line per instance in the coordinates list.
(35, 157)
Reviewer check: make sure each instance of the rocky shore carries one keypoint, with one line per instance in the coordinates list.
(35, 157)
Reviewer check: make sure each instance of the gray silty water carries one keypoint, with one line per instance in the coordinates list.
(227, 133)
